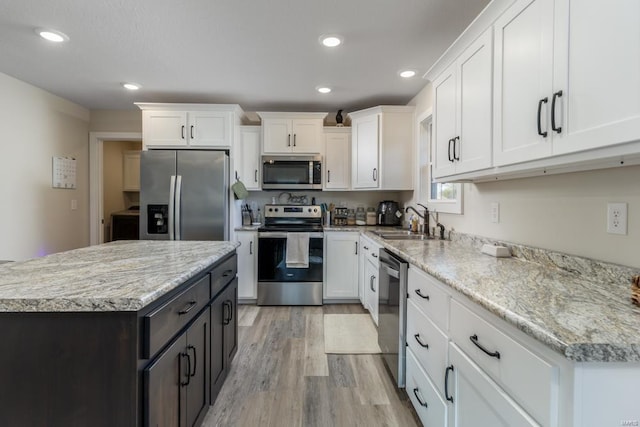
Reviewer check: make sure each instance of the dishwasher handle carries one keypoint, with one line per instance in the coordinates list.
(388, 268)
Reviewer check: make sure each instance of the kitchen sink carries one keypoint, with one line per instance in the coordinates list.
(402, 235)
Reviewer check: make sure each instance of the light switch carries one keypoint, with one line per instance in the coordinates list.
(74, 204)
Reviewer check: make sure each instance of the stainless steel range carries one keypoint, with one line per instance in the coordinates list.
(290, 256)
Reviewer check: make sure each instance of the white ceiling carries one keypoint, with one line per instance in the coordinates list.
(261, 54)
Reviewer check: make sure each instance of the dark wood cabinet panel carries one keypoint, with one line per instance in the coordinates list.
(164, 383)
(197, 349)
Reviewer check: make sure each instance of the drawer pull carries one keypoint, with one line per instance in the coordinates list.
(446, 383)
(417, 337)
(421, 295)
(474, 340)
(374, 255)
(195, 360)
(227, 273)
(188, 308)
(415, 392)
(185, 383)
(366, 248)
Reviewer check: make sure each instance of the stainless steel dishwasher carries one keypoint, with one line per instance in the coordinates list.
(392, 316)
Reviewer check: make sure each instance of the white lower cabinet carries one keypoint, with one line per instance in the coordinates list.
(429, 405)
(247, 264)
(341, 263)
(477, 400)
(369, 264)
(457, 357)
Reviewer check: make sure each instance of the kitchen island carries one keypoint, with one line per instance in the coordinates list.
(129, 333)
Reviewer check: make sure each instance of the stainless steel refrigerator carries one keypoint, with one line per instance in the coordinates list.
(184, 195)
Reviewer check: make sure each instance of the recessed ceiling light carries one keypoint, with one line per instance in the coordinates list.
(331, 40)
(131, 86)
(323, 89)
(407, 74)
(52, 35)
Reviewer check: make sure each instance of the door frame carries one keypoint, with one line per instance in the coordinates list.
(96, 153)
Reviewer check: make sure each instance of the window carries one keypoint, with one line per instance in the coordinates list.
(439, 197)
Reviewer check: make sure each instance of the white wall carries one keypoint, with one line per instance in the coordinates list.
(116, 120)
(565, 213)
(35, 126)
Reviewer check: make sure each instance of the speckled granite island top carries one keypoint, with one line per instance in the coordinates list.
(578, 307)
(119, 276)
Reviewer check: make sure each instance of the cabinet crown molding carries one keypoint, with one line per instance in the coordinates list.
(290, 115)
(234, 108)
(484, 20)
(382, 109)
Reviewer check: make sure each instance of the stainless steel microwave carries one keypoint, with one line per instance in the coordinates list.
(291, 172)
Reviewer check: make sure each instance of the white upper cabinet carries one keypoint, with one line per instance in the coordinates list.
(365, 169)
(600, 81)
(382, 148)
(247, 157)
(287, 133)
(131, 171)
(337, 157)
(189, 125)
(462, 117)
(523, 82)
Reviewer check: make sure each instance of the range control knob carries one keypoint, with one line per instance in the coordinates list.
(270, 209)
(315, 210)
(309, 210)
(276, 209)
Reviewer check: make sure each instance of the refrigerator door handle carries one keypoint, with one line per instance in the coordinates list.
(178, 206)
(172, 198)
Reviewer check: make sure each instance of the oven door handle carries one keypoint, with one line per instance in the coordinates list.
(283, 235)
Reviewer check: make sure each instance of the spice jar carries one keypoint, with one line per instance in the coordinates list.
(361, 216)
(371, 216)
(351, 217)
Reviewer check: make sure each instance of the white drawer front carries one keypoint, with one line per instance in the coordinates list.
(531, 381)
(418, 386)
(425, 293)
(428, 344)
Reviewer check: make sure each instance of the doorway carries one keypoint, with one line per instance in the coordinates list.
(98, 219)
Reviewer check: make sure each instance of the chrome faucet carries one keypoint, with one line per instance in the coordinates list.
(425, 216)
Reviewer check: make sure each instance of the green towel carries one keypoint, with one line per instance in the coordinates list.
(239, 190)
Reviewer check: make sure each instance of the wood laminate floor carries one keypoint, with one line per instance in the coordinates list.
(282, 377)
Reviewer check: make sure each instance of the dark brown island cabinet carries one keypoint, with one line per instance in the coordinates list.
(159, 367)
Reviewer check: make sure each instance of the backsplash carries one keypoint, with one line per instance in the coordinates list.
(350, 199)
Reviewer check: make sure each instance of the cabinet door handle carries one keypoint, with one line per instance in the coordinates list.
(187, 308)
(294, 139)
(542, 101)
(375, 174)
(371, 284)
(446, 383)
(449, 150)
(182, 131)
(474, 340)
(417, 337)
(421, 295)
(191, 131)
(415, 392)
(555, 128)
(255, 175)
(225, 307)
(185, 355)
(195, 361)
(230, 311)
(237, 179)
(457, 138)
(251, 247)
(356, 248)
(229, 306)
(289, 140)
(328, 176)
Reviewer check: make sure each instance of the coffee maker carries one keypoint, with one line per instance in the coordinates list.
(389, 213)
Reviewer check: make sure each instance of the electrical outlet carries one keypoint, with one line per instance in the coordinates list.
(495, 212)
(617, 218)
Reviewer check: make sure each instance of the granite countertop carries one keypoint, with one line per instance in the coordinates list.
(578, 307)
(118, 276)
